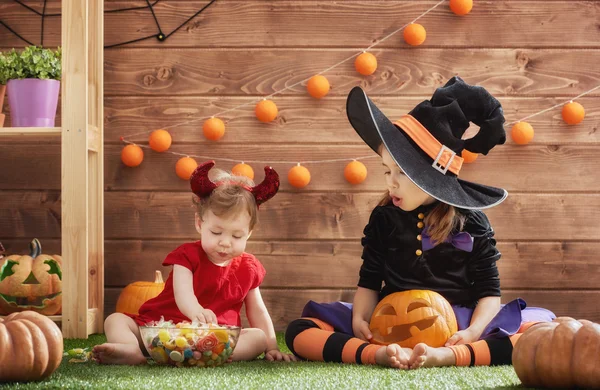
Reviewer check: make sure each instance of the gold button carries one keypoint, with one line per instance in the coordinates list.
(420, 225)
(419, 252)
(419, 237)
(421, 215)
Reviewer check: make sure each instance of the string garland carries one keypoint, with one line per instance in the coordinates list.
(160, 35)
(354, 173)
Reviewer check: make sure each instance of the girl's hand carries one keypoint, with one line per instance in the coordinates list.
(276, 355)
(465, 336)
(204, 316)
(361, 329)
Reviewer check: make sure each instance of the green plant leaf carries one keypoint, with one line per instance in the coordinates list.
(32, 62)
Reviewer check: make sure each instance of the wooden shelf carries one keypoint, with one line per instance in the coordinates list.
(29, 131)
(94, 320)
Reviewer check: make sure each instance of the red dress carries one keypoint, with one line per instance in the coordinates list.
(220, 289)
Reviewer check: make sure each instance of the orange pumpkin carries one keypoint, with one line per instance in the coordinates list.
(32, 347)
(31, 282)
(563, 353)
(134, 295)
(411, 317)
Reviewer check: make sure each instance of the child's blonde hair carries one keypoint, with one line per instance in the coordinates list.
(230, 198)
(440, 222)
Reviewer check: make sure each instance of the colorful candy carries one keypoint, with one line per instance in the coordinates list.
(185, 345)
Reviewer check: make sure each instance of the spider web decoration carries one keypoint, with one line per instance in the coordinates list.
(160, 35)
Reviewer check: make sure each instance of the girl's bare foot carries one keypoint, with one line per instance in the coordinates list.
(393, 356)
(111, 353)
(426, 356)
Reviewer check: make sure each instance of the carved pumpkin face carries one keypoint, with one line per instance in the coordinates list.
(31, 282)
(411, 317)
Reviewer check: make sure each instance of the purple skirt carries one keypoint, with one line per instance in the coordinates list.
(507, 322)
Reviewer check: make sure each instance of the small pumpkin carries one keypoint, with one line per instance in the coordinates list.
(414, 316)
(563, 353)
(135, 294)
(32, 282)
(32, 347)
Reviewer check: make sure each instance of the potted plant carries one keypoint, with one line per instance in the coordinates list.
(3, 80)
(32, 85)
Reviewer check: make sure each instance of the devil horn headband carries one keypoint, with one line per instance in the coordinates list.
(202, 186)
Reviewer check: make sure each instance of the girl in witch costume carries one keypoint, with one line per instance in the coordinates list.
(428, 233)
(211, 278)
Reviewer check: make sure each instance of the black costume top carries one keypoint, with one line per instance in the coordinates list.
(392, 254)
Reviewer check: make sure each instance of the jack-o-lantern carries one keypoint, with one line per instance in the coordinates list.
(31, 282)
(410, 317)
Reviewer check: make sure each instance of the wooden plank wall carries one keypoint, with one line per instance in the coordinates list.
(530, 54)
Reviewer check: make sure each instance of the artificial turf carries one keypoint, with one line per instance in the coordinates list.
(260, 374)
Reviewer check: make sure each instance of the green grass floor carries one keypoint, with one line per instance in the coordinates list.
(260, 374)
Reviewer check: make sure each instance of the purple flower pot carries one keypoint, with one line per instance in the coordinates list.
(33, 102)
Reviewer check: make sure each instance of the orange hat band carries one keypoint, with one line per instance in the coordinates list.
(444, 158)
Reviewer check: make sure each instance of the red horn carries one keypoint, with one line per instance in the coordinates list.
(268, 188)
(201, 185)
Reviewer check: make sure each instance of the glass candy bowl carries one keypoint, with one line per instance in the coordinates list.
(190, 346)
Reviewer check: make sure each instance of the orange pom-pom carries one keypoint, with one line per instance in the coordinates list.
(132, 155)
(318, 86)
(185, 167)
(522, 133)
(414, 34)
(266, 111)
(299, 176)
(573, 113)
(160, 140)
(242, 169)
(468, 157)
(366, 64)
(461, 7)
(355, 172)
(213, 129)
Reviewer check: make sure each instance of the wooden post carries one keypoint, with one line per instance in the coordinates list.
(96, 164)
(82, 167)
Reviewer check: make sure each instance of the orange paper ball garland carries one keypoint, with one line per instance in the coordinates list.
(573, 113)
(461, 7)
(266, 111)
(299, 176)
(366, 64)
(213, 129)
(414, 34)
(318, 86)
(132, 155)
(468, 157)
(522, 133)
(355, 172)
(185, 167)
(160, 141)
(243, 169)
